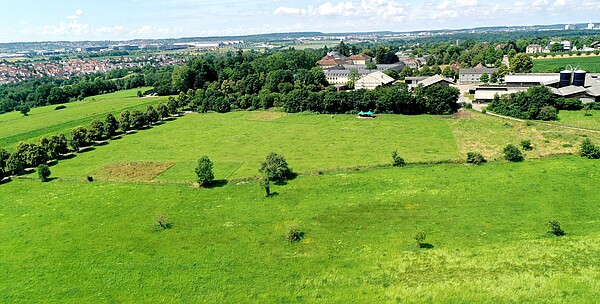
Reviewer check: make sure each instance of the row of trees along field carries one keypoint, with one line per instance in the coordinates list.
(33, 154)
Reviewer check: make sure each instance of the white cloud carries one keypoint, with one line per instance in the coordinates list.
(366, 9)
(78, 13)
(466, 3)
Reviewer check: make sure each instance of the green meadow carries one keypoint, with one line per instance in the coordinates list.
(486, 226)
(580, 120)
(73, 241)
(15, 127)
(551, 65)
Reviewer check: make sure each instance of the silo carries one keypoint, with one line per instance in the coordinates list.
(579, 78)
(565, 79)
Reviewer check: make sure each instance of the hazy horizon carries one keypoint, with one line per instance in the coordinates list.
(80, 20)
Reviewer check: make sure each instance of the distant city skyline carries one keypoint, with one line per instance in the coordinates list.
(73, 20)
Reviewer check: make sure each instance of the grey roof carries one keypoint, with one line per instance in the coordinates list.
(478, 71)
(434, 79)
(571, 90)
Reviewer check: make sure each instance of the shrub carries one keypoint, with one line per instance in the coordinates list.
(60, 107)
(204, 171)
(265, 184)
(275, 168)
(468, 105)
(294, 234)
(420, 238)
(548, 113)
(43, 172)
(526, 145)
(475, 158)
(555, 228)
(397, 161)
(483, 110)
(589, 150)
(512, 153)
(162, 222)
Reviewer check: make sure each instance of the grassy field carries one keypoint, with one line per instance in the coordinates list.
(549, 65)
(238, 142)
(15, 127)
(579, 119)
(79, 242)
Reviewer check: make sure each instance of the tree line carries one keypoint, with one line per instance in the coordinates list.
(536, 103)
(34, 154)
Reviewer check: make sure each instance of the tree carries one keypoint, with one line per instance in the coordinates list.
(204, 171)
(485, 78)
(182, 78)
(24, 109)
(512, 153)
(556, 47)
(57, 146)
(475, 158)
(521, 63)
(4, 155)
(420, 238)
(172, 105)
(589, 150)
(372, 66)
(151, 115)
(125, 121)
(548, 113)
(95, 130)
(15, 163)
(381, 54)
(78, 138)
(353, 76)
(43, 172)
(555, 228)
(138, 119)
(343, 49)
(110, 126)
(162, 110)
(397, 161)
(265, 183)
(275, 168)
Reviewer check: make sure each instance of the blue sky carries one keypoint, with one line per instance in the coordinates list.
(42, 20)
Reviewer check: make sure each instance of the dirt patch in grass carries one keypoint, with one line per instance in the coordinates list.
(266, 116)
(463, 114)
(131, 171)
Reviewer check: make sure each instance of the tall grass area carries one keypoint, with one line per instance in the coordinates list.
(15, 127)
(238, 142)
(79, 242)
(579, 119)
(550, 65)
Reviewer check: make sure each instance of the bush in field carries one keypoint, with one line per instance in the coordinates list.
(475, 158)
(162, 222)
(275, 168)
(589, 150)
(548, 113)
(512, 153)
(204, 171)
(265, 184)
(555, 228)
(526, 145)
(294, 234)
(43, 172)
(420, 238)
(397, 161)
